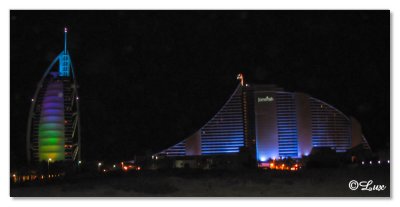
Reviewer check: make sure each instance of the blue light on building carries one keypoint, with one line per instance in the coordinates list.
(64, 59)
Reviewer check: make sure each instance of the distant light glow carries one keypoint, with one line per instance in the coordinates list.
(263, 159)
(370, 162)
(388, 161)
(99, 164)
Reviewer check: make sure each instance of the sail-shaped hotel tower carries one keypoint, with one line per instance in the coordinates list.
(53, 131)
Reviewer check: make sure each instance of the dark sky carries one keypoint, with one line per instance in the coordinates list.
(150, 78)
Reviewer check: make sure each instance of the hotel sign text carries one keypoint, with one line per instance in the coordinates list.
(265, 99)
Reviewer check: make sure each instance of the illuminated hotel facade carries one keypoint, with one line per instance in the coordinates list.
(53, 131)
(274, 123)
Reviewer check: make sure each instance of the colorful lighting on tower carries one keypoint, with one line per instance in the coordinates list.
(53, 132)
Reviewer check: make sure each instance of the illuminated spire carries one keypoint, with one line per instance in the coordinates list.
(65, 39)
(64, 58)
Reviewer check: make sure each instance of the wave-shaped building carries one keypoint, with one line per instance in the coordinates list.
(273, 122)
(53, 131)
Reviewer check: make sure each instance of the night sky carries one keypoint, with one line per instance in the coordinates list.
(149, 79)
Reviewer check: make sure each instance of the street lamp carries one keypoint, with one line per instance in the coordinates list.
(79, 165)
(98, 166)
(48, 165)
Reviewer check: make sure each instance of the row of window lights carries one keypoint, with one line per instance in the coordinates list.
(77, 98)
(24, 178)
(379, 162)
(79, 162)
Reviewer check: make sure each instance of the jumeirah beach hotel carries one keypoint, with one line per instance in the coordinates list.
(273, 122)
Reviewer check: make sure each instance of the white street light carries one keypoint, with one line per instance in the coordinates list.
(48, 164)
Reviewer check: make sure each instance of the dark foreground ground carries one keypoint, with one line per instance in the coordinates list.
(183, 183)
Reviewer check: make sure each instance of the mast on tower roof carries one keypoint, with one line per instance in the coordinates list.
(65, 39)
(64, 59)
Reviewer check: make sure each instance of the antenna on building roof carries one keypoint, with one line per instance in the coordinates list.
(65, 39)
(65, 60)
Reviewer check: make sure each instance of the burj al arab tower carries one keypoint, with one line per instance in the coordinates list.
(53, 131)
